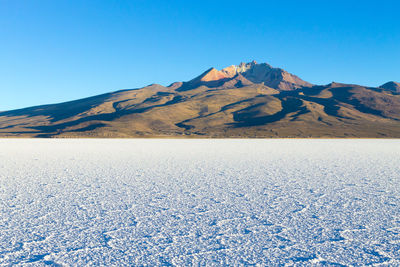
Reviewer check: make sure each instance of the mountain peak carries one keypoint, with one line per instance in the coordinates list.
(391, 86)
(212, 74)
(253, 72)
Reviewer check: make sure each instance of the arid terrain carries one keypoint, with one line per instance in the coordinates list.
(247, 100)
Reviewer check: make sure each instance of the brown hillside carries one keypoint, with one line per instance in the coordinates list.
(233, 102)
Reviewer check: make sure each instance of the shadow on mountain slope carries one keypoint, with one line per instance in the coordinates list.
(248, 117)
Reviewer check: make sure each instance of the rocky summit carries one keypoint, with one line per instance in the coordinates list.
(246, 100)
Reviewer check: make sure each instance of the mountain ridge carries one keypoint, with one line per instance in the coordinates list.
(251, 72)
(392, 86)
(245, 100)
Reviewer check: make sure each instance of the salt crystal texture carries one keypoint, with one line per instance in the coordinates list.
(199, 202)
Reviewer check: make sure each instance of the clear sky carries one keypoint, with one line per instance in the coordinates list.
(58, 50)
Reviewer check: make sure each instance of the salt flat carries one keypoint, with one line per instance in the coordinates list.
(207, 202)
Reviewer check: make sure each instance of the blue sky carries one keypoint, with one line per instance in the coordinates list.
(54, 51)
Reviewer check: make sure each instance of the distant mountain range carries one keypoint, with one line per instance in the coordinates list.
(246, 100)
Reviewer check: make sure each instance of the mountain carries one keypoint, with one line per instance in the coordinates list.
(391, 86)
(245, 100)
(246, 74)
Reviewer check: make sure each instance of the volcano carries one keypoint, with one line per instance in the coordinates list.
(240, 101)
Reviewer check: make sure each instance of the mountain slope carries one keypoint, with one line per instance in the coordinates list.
(269, 76)
(391, 86)
(246, 74)
(239, 101)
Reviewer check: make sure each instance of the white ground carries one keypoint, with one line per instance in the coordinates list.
(208, 202)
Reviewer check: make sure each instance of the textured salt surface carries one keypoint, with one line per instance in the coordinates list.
(207, 202)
